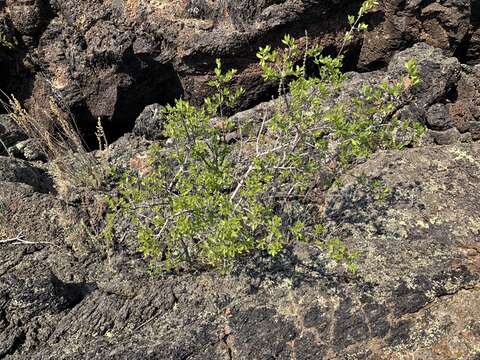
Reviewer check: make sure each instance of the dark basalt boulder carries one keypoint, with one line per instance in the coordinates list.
(448, 25)
(149, 123)
(19, 171)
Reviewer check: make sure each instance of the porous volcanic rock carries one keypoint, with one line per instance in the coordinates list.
(19, 171)
(112, 58)
(448, 25)
(412, 215)
(149, 123)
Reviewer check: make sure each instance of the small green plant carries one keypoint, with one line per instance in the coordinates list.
(367, 123)
(356, 25)
(339, 252)
(7, 42)
(411, 66)
(202, 201)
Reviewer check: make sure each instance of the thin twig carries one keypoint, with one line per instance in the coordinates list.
(163, 227)
(5, 147)
(259, 134)
(347, 35)
(148, 321)
(240, 184)
(19, 240)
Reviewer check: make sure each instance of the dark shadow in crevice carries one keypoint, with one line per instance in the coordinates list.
(461, 52)
(150, 82)
(475, 14)
(74, 293)
(86, 124)
(451, 95)
(15, 78)
(43, 183)
(16, 345)
(47, 14)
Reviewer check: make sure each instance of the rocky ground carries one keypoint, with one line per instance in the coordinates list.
(413, 215)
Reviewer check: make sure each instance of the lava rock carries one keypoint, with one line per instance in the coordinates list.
(438, 117)
(19, 171)
(127, 55)
(463, 114)
(29, 149)
(10, 133)
(446, 137)
(149, 123)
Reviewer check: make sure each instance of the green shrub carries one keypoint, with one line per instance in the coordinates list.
(205, 202)
(7, 41)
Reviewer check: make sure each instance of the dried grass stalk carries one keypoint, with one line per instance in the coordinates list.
(60, 140)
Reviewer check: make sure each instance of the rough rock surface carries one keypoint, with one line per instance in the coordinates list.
(413, 215)
(450, 25)
(10, 134)
(416, 294)
(149, 123)
(18, 171)
(448, 99)
(112, 58)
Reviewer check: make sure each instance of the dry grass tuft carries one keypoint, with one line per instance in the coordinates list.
(60, 140)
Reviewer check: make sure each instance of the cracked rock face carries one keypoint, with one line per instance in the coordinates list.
(429, 213)
(416, 294)
(449, 25)
(112, 58)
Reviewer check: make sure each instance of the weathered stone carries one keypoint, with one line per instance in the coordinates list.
(417, 284)
(10, 134)
(438, 117)
(149, 123)
(449, 25)
(18, 171)
(27, 15)
(475, 130)
(28, 149)
(446, 137)
(439, 74)
(462, 114)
